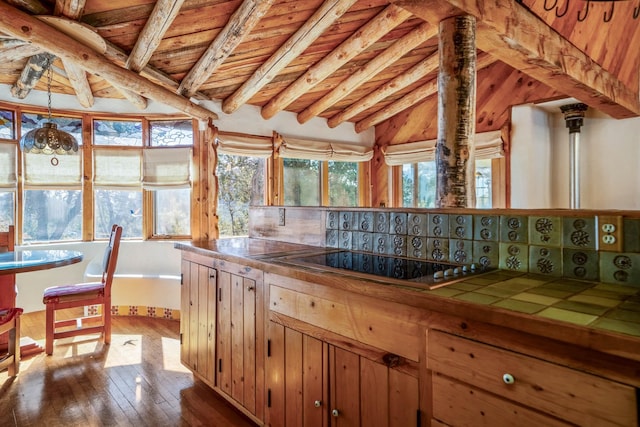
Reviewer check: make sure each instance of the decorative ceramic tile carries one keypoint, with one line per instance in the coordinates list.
(398, 223)
(485, 227)
(620, 268)
(381, 222)
(345, 222)
(461, 227)
(398, 246)
(345, 260)
(332, 220)
(545, 260)
(545, 231)
(437, 249)
(579, 232)
(362, 241)
(365, 221)
(521, 306)
(438, 225)
(486, 253)
(461, 251)
(380, 243)
(332, 239)
(417, 247)
(363, 262)
(345, 240)
(514, 256)
(380, 266)
(631, 232)
(513, 229)
(417, 224)
(580, 264)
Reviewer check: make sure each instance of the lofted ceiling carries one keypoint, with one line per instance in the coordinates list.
(359, 61)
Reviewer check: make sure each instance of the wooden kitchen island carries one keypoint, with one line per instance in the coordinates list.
(296, 346)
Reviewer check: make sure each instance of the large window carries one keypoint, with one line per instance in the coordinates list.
(343, 183)
(303, 183)
(240, 185)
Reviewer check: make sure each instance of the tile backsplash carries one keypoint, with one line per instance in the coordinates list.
(556, 245)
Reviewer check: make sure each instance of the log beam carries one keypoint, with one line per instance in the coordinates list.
(72, 9)
(321, 19)
(31, 73)
(239, 26)
(33, 6)
(162, 16)
(25, 27)
(78, 79)
(368, 34)
(394, 52)
(455, 151)
(14, 50)
(509, 32)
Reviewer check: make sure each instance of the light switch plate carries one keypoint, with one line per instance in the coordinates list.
(610, 233)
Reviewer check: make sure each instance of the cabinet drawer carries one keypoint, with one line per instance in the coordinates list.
(459, 404)
(575, 396)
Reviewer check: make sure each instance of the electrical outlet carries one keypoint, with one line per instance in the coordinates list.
(610, 233)
(281, 217)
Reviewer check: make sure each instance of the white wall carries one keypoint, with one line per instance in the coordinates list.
(609, 160)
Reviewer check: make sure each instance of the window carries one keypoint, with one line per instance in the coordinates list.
(301, 180)
(122, 207)
(483, 184)
(343, 183)
(8, 183)
(6, 124)
(6, 209)
(121, 133)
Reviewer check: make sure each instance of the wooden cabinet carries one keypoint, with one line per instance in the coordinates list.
(198, 317)
(478, 384)
(240, 336)
(312, 383)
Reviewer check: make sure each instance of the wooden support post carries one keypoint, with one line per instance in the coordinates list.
(455, 160)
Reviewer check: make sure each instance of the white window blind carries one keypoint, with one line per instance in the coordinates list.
(8, 176)
(309, 149)
(117, 168)
(166, 168)
(41, 174)
(245, 145)
(488, 145)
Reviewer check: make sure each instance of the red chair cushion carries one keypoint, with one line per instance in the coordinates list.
(8, 314)
(78, 291)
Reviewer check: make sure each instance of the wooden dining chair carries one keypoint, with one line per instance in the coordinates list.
(81, 295)
(7, 240)
(10, 323)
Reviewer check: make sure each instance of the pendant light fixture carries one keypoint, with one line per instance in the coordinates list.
(48, 139)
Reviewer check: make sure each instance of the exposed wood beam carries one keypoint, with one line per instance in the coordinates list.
(238, 27)
(78, 79)
(321, 19)
(31, 73)
(394, 52)
(162, 16)
(412, 75)
(413, 97)
(368, 34)
(34, 6)
(14, 50)
(25, 27)
(511, 33)
(72, 9)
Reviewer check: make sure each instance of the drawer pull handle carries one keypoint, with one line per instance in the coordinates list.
(317, 403)
(335, 413)
(508, 379)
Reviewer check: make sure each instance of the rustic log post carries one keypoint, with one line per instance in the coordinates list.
(455, 162)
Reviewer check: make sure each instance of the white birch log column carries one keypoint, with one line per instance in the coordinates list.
(455, 150)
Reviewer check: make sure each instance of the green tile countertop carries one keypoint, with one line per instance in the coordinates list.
(597, 305)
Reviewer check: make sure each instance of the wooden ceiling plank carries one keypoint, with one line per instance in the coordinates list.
(412, 98)
(72, 9)
(33, 6)
(15, 50)
(163, 14)
(517, 37)
(322, 19)
(241, 23)
(373, 30)
(23, 26)
(390, 55)
(415, 73)
(78, 79)
(31, 73)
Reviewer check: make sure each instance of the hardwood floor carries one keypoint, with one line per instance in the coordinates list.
(138, 380)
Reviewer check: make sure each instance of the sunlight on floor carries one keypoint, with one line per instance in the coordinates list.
(171, 355)
(124, 350)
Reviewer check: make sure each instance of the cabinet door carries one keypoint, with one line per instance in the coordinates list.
(236, 341)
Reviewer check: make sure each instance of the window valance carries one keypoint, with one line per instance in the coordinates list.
(309, 149)
(245, 145)
(117, 169)
(166, 168)
(488, 145)
(41, 174)
(8, 171)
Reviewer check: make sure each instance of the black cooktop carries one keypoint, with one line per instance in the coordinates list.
(420, 271)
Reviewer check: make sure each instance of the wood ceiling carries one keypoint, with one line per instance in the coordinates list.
(360, 61)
